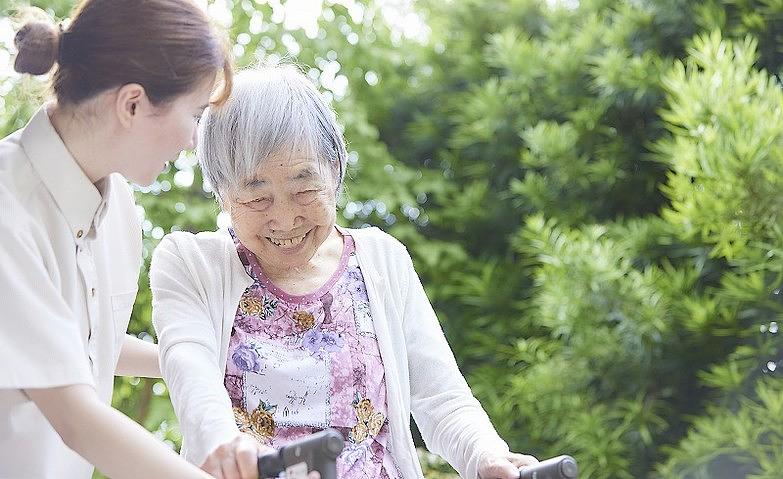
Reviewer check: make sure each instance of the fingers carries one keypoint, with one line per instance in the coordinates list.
(497, 467)
(212, 466)
(504, 470)
(505, 466)
(234, 460)
(228, 467)
(246, 454)
(520, 460)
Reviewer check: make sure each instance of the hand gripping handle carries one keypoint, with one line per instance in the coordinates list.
(318, 452)
(560, 467)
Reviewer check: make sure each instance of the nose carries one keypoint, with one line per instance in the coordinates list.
(284, 217)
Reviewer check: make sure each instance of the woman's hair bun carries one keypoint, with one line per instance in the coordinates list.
(38, 43)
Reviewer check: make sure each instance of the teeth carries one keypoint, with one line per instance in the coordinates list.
(287, 242)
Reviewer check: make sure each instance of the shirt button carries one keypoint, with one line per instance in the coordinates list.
(79, 234)
(92, 292)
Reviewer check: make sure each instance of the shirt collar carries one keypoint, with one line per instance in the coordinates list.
(75, 195)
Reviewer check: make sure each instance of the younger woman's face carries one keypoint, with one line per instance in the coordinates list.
(163, 133)
(285, 212)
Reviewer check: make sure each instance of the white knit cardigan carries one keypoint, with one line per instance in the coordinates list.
(197, 281)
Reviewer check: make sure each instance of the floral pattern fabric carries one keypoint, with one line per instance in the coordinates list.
(299, 364)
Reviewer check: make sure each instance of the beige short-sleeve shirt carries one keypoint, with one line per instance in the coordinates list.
(70, 253)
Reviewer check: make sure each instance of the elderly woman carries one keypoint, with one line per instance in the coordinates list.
(287, 324)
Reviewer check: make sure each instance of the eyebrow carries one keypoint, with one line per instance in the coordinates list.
(306, 174)
(254, 183)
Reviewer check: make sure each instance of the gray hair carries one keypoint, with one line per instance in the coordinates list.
(272, 110)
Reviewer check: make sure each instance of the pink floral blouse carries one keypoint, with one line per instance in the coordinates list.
(300, 364)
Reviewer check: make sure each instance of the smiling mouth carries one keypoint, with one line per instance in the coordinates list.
(287, 242)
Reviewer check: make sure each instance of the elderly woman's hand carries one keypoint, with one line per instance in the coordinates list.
(238, 459)
(503, 466)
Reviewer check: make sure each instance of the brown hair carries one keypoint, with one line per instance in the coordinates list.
(167, 46)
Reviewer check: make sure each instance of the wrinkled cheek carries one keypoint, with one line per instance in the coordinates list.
(247, 224)
(324, 213)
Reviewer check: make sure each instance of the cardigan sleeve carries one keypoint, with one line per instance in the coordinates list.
(452, 422)
(188, 347)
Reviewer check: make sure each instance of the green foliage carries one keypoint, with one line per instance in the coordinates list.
(740, 441)
(591, 193)
(726, 149)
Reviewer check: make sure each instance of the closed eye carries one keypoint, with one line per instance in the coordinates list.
(307, 196)
(258, 203)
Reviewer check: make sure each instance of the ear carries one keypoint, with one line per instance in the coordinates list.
(131, 102)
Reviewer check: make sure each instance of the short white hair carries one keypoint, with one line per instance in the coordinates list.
(272, 110)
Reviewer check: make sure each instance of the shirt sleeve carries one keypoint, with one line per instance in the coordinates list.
(452, 422)
(41, 345)
(189, 352)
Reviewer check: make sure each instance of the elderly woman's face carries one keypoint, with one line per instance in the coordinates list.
(285, 213)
